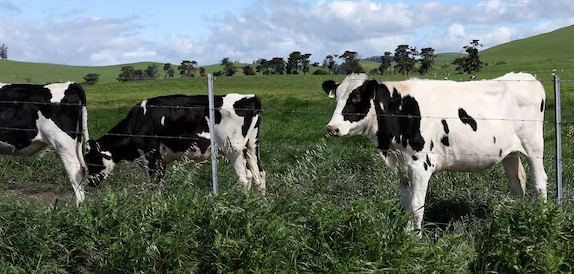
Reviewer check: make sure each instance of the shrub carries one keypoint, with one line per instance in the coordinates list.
(91, 78)
(320, 72)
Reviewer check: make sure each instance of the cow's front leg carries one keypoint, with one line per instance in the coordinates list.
(414, 187)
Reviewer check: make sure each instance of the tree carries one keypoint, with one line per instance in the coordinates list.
(91, 78)
(248, 70)
(127, 74)
(202, 72)
(305, 62)
(427, 60)
(329, 63)
(278, 65)
(386, 61)
(470, 62)
(405, 59)
(4, 52)
(351, 63)
(168, 70)
(151, 72)
(228, 67)
(293, 62)
(187, 68)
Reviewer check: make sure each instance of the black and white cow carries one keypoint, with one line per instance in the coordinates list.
(163, 129)
(35, 116)
(422, 127)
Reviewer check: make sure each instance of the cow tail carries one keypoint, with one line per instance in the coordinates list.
(83, 136)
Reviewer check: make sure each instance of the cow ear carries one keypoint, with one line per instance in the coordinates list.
(329, 86)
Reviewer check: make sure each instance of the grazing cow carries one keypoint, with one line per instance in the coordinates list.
(163, 129)
(422, 127)
(35, 116)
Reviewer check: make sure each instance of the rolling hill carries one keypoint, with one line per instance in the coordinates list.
(552, 50)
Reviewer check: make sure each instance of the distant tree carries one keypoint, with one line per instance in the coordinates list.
(127, 74)
(315, 64)
(248, 70)
(427, 60)
(139, 75)
(278, 65)
(218, 73)
(305, 62)
(293, 62)
(151, 72)
(187, 68)
(386, 61)
(405, 59)
(168, 70)
(329, 63)
(91, 78)
(202, 72)
(228, 67)
(4, 52)
(471, 62)
(351, 63)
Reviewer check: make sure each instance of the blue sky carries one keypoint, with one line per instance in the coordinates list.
(106, 32)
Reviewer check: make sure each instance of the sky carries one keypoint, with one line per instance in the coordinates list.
(109, 32)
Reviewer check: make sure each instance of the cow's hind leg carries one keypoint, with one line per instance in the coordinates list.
(515, 174)
(66, 149)
(254, 166)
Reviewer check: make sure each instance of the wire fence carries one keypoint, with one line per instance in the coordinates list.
(211, 109)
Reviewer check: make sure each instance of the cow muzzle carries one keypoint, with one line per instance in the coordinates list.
(333, 131)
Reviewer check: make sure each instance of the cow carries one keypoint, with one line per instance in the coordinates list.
(34, 116)
(421, 127)
(160, 130)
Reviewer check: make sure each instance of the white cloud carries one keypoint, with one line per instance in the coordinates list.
(274, 28)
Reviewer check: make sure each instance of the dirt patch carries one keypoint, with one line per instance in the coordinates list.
(41, 195)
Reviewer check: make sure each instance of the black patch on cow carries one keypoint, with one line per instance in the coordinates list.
(428, 160)
(500, 153)
(398, 119)
(494, 139)
(431, 145)
(425, 165)
(542, 106)
(247, 108)
(359, 102)
(444, 141)
(466, 119)
(415, 158)
(444, 126)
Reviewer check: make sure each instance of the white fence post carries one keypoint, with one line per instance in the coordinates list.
(212, 135)
(558, 117)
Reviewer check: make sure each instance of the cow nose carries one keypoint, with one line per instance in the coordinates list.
(332, 130)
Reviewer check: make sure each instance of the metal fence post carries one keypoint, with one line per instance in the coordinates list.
(212, 135)
(558, 118)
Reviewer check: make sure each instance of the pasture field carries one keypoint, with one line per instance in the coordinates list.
(331, 205)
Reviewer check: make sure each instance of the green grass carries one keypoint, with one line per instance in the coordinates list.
(331, 205)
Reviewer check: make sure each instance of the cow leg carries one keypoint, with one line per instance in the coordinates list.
(239, 165)
(536, 163)
(66, 150)
(254, 166)
(515, 174)
(413, 194)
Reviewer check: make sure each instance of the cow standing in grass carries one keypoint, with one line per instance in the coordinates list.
(35, 116)
(163, 129)
(422, 127)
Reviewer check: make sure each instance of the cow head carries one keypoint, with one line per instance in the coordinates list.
(355, 112)
(99, 162)
(330, 87)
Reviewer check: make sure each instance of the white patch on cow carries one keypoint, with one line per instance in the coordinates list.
(3, 84)
(162, 121)
(143, 105)
(108, 164)
(58, 91)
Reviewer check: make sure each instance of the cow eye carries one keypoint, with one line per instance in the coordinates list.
(356, 99)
